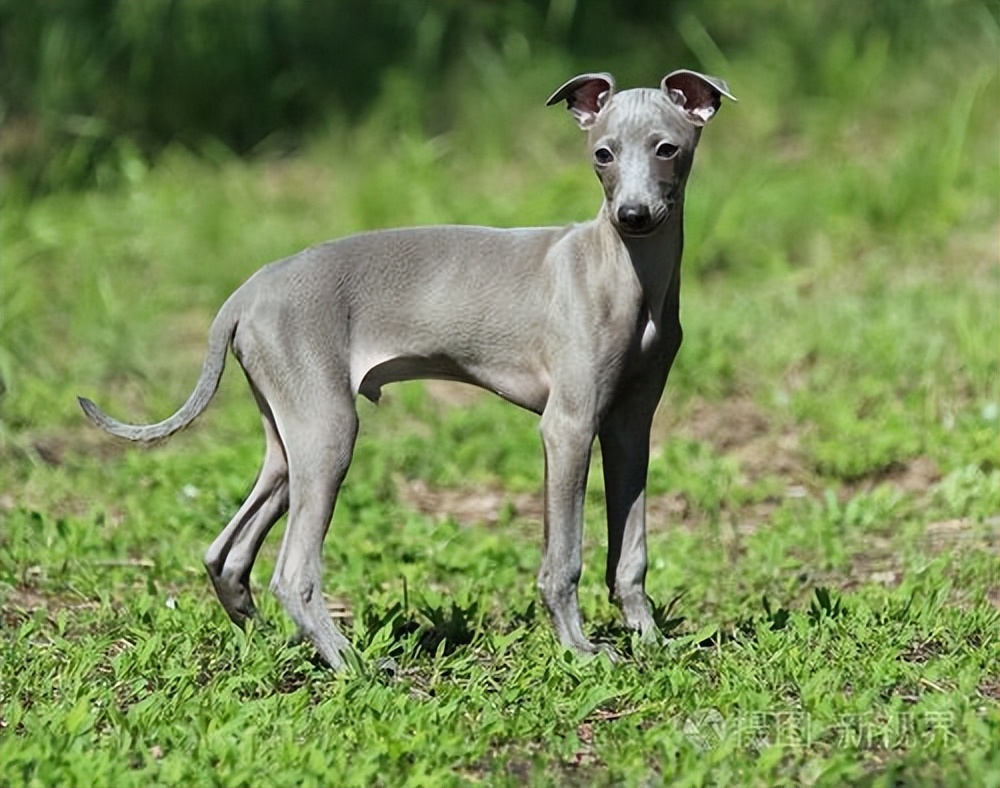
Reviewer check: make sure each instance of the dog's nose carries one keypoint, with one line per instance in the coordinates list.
(634, 217)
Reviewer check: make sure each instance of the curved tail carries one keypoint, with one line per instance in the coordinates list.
(219, 338)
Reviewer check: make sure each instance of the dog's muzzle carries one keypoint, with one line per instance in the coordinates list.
(637, 219)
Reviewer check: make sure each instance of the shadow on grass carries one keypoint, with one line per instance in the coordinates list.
(443, 628)
(824, 606)
(437, 629)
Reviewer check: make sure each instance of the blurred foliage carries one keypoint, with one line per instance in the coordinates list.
(90, 88)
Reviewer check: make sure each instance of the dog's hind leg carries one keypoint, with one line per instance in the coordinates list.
(319, 440)
(231, 556)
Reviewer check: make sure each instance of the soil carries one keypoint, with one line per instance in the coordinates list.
(736, 427)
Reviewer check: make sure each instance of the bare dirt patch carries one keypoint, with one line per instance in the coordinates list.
(916, 477)
(22, 602)
(730, 424)
(479, 504)
(740, 428)
(882, 564)
(58, 447)
(946, 535)
(736, 426)
(990, 688)
(765, 446)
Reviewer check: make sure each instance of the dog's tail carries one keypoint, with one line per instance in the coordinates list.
(219, 338)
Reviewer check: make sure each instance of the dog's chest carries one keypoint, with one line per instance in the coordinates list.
(653, 343)
(648, 337)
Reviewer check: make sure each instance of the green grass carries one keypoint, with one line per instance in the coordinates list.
(824, 487)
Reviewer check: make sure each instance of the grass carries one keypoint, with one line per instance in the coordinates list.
(824, 487)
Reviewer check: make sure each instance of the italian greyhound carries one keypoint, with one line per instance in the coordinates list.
(578, 324)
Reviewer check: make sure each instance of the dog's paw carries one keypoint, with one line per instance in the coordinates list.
(609, 651)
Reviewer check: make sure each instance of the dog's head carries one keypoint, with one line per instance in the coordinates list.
(643, 140)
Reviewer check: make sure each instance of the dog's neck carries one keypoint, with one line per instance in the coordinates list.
(654, 258)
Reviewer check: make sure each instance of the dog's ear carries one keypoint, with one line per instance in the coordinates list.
(698, 95)
(585, 95)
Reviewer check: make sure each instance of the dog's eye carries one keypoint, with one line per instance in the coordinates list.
(666, 151)
(604, 155)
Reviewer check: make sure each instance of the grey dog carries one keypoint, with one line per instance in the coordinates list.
(579, 324)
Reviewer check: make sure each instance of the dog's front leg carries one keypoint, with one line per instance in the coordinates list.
(566, 439)
(624, 438)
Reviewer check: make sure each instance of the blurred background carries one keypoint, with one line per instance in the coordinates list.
(88, 87)
(841, 223)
